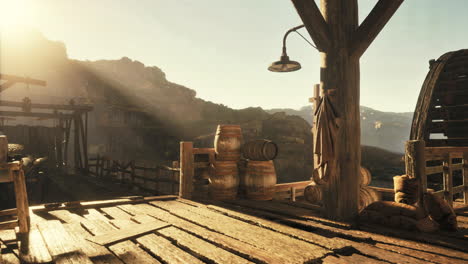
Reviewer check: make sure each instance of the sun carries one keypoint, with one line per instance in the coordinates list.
(14, 13)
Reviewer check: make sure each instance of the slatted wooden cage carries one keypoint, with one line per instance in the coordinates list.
(441, 115)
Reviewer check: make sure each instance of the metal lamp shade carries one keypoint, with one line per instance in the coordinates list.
(284, 65)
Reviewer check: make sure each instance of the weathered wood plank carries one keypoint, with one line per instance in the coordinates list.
(165, 250)
(297, 251)
(124, 234)
(385, 255)
(32, 248)
(97, 253)
(61, 245)
(200, 248)
(128, 252)
(104, 203)
(158, 245)
(9, 258)
(94, 214)
(426, 256)
(66, 216)
(284, 209)
(352, 259)
(433, 239)
(230, 244)
(116, 213)
(357, 235)
(7, 236)
(335, 244)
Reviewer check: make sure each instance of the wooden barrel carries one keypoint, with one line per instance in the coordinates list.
(224, 182)
(313, 193)
(227, 142)
(259, 180)
(242, 166)
(261, 150)
(366, 176)
(367, 196)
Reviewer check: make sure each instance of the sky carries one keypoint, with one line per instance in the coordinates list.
(222, 49)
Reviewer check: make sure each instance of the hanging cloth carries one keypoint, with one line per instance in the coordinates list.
(324, 139)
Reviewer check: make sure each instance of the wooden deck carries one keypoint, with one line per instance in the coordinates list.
(171, 230)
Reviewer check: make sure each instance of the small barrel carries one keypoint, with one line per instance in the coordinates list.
(366, 176)
(367, 196)
(313, 193)
(260, 150)
(259, 180)
(227, 142)
(224, 182)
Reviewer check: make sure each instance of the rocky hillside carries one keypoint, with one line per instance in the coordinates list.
(173, 113)
(386, 130)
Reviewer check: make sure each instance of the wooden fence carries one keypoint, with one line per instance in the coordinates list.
(145, 176)
(451, 159)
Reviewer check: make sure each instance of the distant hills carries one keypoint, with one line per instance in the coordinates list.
(386, 130)
(176, 113)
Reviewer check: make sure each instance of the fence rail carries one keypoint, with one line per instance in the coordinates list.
(149, 177)
(447, 160)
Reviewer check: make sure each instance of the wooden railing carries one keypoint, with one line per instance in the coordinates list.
(452, 159)
(152, 178)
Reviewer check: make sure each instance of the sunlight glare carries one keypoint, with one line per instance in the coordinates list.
(14, 13)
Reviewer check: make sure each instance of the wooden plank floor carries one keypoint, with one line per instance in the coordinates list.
(234, 232)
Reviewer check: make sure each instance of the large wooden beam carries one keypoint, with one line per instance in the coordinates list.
(35, 114)
(372, 25)
(47, 106)
(14, 78)
(314, 22)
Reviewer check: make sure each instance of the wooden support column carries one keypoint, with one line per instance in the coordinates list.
(186, 170)
(21, 195)
(342, 41)
(415, 164)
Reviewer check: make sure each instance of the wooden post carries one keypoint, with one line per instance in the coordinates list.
(341, 40)
(132, 169)
(293, 194)
(21, 195)
(186, 170)
(415, 163)
(465, 177)
(448, 178)
(175, 176)
(84, 141)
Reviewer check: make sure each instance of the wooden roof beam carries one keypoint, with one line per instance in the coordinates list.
(314, 23)
(372, 25)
